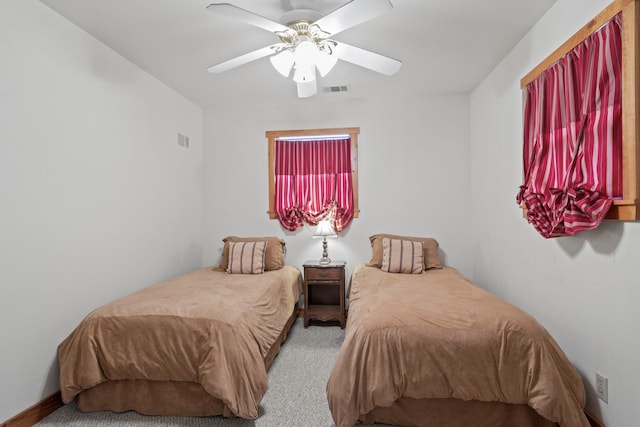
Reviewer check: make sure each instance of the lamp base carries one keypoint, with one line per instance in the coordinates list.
(324, 260)
(325, 255)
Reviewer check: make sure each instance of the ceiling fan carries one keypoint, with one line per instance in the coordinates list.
(304, 41)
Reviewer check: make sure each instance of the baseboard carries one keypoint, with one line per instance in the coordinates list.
(35, 413)
(593, 420)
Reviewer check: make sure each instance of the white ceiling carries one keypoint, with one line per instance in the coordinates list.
(446, 46)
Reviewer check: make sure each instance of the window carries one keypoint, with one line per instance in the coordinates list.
(627, 206)
(312, 174)
(573, 137)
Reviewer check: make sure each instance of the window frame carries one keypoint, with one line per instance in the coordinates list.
(627, 209)
(272, 135)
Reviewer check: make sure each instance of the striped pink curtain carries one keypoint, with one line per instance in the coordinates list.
(573, 137)
(313, 181)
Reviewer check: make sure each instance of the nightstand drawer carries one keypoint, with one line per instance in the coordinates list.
(321, 273)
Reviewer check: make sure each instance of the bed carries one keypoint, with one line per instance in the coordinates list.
(434, 349)
(197, 345)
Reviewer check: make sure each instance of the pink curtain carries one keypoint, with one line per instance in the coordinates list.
(572, 152)
(313, 181)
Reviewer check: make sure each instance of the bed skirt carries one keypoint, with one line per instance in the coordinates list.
(165, 397)
(455, 413)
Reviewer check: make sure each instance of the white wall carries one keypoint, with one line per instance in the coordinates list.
(584, 289)
(413, 174)
(97, 199)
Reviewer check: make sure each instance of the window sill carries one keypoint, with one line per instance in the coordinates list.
(624, 210)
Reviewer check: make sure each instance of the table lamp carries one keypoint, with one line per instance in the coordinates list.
(324, 230)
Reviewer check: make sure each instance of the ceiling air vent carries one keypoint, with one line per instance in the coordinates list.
(331, 89)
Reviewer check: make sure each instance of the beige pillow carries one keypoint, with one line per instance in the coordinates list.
(402, 256)
(273, 257)
(429, 248)
(246, 257)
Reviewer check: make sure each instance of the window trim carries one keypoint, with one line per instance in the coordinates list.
(627, 209)
(272, 135)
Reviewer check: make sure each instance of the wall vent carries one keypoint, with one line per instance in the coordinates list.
(332, 89)
(183, 140)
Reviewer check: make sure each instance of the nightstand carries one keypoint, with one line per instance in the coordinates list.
(324, 292)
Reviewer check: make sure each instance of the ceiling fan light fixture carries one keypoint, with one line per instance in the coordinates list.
(325, 62)
(283, 62)
(307, 89)
(304, 73)
(305, 56)
(305, 43)
(305, 53)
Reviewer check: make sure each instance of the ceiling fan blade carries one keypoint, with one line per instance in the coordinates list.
(244, 59)
(353, 13)
(367, 59)
(307, 89)
(243, 15)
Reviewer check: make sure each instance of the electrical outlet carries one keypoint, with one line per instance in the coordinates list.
(602, 387)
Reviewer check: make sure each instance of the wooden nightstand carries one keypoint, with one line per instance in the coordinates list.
(324, 292)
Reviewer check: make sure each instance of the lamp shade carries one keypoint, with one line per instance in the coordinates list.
(304, 74)
(305, 62)
(325, 62)
(324, 229)
(283, 62)
(305, 54)
(307, 89)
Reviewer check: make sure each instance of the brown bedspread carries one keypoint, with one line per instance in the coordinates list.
(206, 327)
(438, 335)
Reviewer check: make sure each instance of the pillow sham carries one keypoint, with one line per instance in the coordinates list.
(274, 253)
(429, 249)
(402, 256)
(246, 257)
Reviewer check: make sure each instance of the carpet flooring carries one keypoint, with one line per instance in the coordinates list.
(296, 396)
